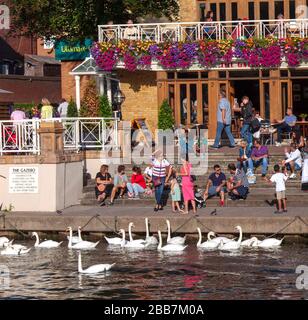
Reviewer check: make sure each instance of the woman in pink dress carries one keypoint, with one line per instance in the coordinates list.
(187, 186)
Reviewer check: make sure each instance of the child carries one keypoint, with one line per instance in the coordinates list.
(175, 194)
(279, 179)
(120, 182)
(148, 179)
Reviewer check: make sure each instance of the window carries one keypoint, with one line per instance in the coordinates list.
(204, 75)
(292, 9)
(284, 73)
(214, 9)
(251, 10)
(187, 75)
(234, 11)
(170, 75)
(265, 73)
(263, 10)
(222, 12)
(202, 11)
(222, 74)
(278, 8)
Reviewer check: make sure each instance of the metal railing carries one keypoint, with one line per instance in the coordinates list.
(194, 31)
(22, 137)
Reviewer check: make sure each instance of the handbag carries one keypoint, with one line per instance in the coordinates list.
(193, 178)
(157, 181)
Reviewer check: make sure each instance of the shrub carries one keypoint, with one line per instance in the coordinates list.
(105, 109)
(72, 111)
(165, 116)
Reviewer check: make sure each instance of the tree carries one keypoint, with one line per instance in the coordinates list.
(165, 116)
(78, 19)
(90, 100)
(105, 109)
(72, 111)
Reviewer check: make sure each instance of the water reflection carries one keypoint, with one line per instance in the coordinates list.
(149, 274)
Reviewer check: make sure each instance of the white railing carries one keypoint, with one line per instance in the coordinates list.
(193, 31)
(22, 137)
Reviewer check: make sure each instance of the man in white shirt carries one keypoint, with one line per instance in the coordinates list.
(62, 109)
(293, 160)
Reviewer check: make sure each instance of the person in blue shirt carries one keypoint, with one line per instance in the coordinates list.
(244, 155)
(223, 121)
(287, 124)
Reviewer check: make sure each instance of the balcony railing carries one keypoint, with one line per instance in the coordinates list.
(194, 31)
(22, 137)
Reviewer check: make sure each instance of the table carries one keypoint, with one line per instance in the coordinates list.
(303, 127)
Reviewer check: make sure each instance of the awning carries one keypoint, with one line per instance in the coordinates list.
(5, 91)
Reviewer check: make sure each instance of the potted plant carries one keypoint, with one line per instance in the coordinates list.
(303, 116)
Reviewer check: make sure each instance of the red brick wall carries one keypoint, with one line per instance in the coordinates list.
(30, 89)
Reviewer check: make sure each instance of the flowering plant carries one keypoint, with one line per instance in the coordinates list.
(256, 53)
(35, 112)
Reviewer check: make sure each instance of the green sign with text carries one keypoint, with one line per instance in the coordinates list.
(69, 51)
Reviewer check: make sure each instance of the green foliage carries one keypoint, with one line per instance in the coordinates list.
(165, 116)
(67, 18)
(83, 112)
(72, 111)
(105, 109)
(24, 106)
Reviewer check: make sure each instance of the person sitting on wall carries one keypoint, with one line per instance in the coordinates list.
(259, 156)
(104, 185)
(120, 181)
(287, 124)
(237, 185)
(130, 32)
(293, 160)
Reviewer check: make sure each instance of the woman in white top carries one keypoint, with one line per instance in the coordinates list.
(293, 160)
(161, 171)
(130, 32)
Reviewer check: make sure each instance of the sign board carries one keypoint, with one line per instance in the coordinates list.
(72, 51)
(23, 180)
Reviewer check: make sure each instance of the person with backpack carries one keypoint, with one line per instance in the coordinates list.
(246, 110)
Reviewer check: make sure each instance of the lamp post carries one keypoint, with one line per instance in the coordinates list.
(118, 100)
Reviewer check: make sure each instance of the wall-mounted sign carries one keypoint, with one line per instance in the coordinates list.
(23, 180)
(73, 51)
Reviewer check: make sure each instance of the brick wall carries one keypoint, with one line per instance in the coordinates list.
(68, 81)
(140, 90)
(30, 89)
(188, 11)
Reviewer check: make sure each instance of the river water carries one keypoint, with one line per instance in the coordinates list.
(148, 274)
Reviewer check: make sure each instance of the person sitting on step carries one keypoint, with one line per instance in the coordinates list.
(120, 181)
(237, 185)
(137, 184)
(259, 156)
(293, 160)
(104, 184)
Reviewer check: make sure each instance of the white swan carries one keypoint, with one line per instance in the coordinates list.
(80, 244)
(233, 245)
(97, 268)
(137, 244)
(116, 241)
(207, 244)
(174, 240)
(4, 241)
(217, 239)
(45, 244)
(151, 240)
(10, 251)
(169, 247)
(270, 243)
(249, 242)
(76, 239)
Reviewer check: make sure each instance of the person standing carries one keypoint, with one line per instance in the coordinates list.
(161, 172)
(280, 179)
(62, 109)
(223, 121)
(187, 186)
(47, 110)
(246, 110)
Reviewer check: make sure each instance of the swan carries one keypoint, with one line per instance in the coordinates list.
(169, 247)
(174, 240)
(45, 244)
(270, 243)
(151, 240)
(97, 268)
(81, 244)
(10, 251)
(217, 239)
(249, 242)
(16, 246)
(116, 241)
(137, 244)
(76, 239)
(233, 245)
(4, 241)
(207, 244)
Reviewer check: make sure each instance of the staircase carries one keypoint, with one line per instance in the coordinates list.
(259, 192)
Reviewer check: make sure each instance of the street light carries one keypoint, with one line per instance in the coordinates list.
(118, 100)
